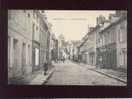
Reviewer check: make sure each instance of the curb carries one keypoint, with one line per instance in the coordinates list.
(44, 78)
(111, 76)
(50, 74)
(108, 75)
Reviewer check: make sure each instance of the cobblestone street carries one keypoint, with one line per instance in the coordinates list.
(70, 73)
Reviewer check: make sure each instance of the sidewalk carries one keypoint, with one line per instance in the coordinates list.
(36, 78)
(41, 78)
(24, 80)
(121, 76)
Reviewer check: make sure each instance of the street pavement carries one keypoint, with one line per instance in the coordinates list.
(71, 73)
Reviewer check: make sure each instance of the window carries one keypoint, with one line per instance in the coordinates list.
(112, 38)
(108, 35)
(36, 28)
(34, 14)
(121, 58)
(29, 15)
(120, 36)
(8, 51)
(23, 54)
(122, 33)
(36, 56)
(103, 38)
(15, 42)
(42, 11)
(33, 31)
(29, 54)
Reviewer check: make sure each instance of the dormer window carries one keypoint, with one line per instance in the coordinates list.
(28, 14)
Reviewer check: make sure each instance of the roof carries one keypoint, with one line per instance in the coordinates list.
(114, 23)
(97, 27)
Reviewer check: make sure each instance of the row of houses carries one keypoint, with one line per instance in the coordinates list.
(30, 42)
(105, 45)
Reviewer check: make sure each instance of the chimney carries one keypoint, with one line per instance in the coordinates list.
(100, 20)
(91, 28)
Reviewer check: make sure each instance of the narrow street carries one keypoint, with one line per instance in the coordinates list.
(70, 73)
(36, 38)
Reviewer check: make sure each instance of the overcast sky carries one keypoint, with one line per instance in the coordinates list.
(73, 24)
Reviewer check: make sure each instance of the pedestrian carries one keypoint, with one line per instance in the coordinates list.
(45, 67)
(63, 59)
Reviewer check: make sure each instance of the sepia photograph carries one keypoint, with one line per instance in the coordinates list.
(67, 47)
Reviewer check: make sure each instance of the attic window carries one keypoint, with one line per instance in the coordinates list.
(28, 14)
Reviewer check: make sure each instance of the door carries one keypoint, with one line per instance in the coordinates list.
(23, 57)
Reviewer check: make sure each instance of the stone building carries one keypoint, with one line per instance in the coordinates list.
(87, 49)
(28, 42)
(40, 40)
(83, 50)
(19, 43)
(61, 41)
(112, 43)
(43, 39)
(54, 51)
(73, 50)
(91, 58)
(36, 40)
(106, 46)
(49, 43)
(121, 29)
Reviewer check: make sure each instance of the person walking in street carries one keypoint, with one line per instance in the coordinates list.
(45, 67)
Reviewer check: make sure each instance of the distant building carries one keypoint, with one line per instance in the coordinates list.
(54, 51)
(87, 49)
(61, 47)
(74, 50)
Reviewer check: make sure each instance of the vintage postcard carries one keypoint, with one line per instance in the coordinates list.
(67, 47)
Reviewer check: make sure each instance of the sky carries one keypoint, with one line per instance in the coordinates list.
(73, 24)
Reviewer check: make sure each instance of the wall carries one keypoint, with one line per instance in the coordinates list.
(122, 45)
(19, 29)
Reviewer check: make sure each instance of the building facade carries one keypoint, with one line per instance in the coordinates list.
(36, 40)
(122, 43)
(87, 49)
(106, 44)
(19, 43)
(43, 39)
(28, 42)
(54, 51)
(112, 43)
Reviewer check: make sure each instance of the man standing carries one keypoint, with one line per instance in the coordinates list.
(45, 67)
